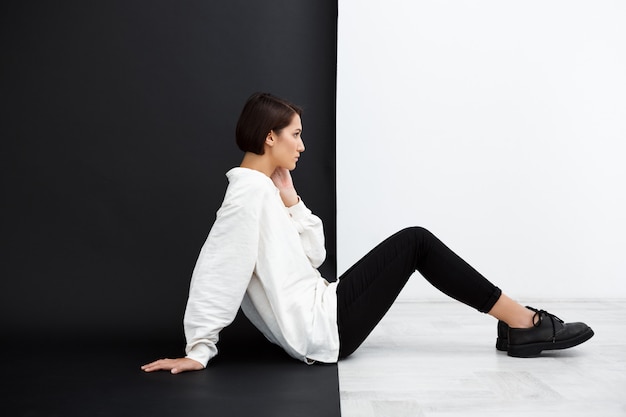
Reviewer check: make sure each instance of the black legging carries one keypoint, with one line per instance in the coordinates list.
(368, 289)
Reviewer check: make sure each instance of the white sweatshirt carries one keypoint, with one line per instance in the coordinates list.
(263, 257)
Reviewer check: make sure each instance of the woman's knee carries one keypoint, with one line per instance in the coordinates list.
(417, 232)
(417, 236)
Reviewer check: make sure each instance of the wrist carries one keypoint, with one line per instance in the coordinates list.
(289, 197)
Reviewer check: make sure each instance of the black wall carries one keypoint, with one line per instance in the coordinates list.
(117, 126)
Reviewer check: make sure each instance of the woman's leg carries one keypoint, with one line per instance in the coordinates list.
(367, 290)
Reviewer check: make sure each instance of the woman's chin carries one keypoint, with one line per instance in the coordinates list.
(289, 166)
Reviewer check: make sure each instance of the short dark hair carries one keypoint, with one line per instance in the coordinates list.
(261, 114)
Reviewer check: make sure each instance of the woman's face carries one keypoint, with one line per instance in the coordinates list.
(288, 144)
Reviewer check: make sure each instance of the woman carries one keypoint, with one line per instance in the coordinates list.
(264, 248)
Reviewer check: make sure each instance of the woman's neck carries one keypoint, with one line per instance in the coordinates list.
(259, 163)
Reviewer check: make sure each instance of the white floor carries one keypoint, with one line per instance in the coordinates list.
(439, 359)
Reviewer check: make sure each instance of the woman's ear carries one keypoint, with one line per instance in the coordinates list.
(269, 139)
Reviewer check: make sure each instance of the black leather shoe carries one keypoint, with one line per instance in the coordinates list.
(548, 333)
(502, 342)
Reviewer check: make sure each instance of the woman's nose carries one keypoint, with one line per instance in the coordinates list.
(301, 146)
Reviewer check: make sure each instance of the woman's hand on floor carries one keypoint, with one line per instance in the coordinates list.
(175, 366)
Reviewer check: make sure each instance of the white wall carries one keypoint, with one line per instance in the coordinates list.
(500, 126)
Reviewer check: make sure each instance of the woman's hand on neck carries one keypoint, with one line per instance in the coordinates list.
(283, 181)
(280, 176)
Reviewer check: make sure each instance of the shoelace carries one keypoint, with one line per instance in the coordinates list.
(539, 315)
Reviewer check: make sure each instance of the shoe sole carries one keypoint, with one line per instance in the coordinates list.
(534, 349)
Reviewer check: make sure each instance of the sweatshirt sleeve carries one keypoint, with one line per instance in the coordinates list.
(222, 273)
(311, 232)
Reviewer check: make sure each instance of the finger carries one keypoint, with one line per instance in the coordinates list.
(157, 362)
(161, 364)
(157, 368)
(151, 368)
